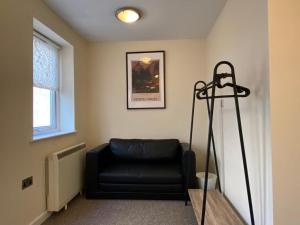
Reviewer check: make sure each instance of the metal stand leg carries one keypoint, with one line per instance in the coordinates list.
(191, 130)
(193, 112)
(242, 147)
(214, 148)
(210, 133)
(191, 134)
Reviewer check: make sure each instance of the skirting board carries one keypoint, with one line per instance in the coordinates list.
(41, 218)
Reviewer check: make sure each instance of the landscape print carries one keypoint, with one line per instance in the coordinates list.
(145, 80)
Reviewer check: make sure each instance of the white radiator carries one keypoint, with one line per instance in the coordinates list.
(65, 176)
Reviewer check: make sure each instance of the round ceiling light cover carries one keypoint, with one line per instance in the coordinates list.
(128, 14)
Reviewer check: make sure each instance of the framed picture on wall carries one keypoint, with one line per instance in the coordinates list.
(145, 72)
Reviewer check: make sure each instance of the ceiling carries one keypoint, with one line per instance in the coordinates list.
(162, 19)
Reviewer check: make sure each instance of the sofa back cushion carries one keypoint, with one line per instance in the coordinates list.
(144, 149)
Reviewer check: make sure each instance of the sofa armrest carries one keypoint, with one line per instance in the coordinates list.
(188, 166)
(92, 166)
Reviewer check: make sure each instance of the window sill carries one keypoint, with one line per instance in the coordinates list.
(40, 137)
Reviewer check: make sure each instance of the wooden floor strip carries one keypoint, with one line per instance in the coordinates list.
(218, 209)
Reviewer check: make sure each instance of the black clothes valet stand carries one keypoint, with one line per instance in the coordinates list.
(208, 92)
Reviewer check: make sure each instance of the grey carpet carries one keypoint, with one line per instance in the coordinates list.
(123, 212)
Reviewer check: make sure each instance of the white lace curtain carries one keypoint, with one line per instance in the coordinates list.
(45, 65)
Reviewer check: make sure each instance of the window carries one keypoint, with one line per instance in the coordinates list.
(53, 84)
(45, 85)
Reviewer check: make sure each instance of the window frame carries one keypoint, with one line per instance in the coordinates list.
(54, 94)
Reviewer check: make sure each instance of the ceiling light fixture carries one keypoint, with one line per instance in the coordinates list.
(128, 14)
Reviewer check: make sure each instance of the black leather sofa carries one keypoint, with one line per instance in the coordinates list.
(140, 169)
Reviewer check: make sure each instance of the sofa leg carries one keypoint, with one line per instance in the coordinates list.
(185, 198)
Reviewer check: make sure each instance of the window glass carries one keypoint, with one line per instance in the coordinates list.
(41, 107)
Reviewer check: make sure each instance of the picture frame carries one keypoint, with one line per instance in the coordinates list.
(145, 79)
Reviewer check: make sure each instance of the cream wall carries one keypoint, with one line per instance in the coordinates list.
(284, 36)
(108, 115)
(240, 36)
(19, 157)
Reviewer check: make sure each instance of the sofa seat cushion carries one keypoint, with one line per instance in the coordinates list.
(145, 188)
(141, 173)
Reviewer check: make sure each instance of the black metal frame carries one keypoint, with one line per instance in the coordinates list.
(202, 93)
